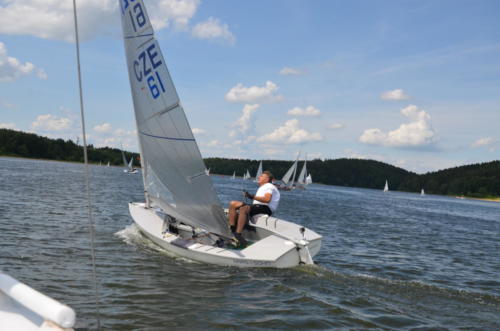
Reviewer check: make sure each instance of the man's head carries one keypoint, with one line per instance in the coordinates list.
(266, 177)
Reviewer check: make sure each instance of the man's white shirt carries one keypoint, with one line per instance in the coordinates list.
(275, 196)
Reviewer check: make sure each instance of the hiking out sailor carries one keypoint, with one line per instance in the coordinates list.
(265, 201)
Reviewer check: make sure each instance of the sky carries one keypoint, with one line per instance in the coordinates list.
(412, 83)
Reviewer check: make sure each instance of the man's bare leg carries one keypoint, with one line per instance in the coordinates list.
(233, 215)
(242, 218)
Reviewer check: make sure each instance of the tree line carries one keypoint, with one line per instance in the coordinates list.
(474, 180)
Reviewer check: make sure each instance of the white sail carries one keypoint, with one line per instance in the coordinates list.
(287, 178)
(302, 176)
(309, 179)
(259, 171)
(108, 164)
(131, 164)
(386, 187)
(125, 163)
(422, 192)
(247, 175)
(207, 172)
(173, 169)
(234, 175)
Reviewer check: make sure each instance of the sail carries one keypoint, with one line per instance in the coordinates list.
(125, 163)
(234, 174)
(386, 187)
(259, 171)
(131, 164)
(302, 176)
(309, 179)
(422, 192)
(288, 175)
(174, 172)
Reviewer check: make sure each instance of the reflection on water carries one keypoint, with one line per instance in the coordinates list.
(389, 261)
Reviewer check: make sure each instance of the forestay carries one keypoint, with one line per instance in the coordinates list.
(173, 169)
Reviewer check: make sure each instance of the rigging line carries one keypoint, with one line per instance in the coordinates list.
(87, 175)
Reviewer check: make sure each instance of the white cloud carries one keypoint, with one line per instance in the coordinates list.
(245, 124)
(163, 13)
(397, 94)
(335, 126)
(308, 111)
(11, 126)
(290, 133)
(50, 122)
(290, 71)
(11, 68)
(254, 94)
(483, 142)
(103, 128)
(213, 29)
(487, 142)
(418, 132)
(54, 19)
(198, 131)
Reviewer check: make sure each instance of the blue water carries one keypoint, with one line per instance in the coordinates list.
(388, 261)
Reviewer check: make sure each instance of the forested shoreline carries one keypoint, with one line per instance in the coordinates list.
(474, 180)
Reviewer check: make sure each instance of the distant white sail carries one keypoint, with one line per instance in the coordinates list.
(125, 163)
(301, 180)
(207, 172)
(234, 175)
(287, 178)
(309, 179)
(131, 164)
(422, 192)
(259, 171)
(108, 164)
(247, 175)
(172, 166)
(386, 187)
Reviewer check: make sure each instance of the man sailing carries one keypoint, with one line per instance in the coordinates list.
(265, 201)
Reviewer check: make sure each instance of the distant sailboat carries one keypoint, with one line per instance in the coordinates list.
(309, 179)
(289, 177)
(247, 175)
(207, 172)
(259, 172)
(108, 164)
(422, 193)
(234, 175)
(386, 187)
(129, 168)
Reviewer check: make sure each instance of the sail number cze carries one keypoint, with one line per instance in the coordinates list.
(147, 61)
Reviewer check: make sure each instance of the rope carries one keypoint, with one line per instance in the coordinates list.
(87, 175)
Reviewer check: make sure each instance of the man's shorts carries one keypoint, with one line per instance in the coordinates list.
(260, 209)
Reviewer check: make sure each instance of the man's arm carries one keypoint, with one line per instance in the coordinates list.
(265, 199)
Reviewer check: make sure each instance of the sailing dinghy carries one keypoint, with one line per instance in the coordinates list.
(129, 166)
(386, 186)
(182, 212)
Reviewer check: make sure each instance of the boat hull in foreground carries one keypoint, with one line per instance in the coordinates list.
(275, 243)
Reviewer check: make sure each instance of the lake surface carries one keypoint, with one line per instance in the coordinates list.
(388, 261)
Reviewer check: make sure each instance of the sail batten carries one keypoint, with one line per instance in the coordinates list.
(175, 179)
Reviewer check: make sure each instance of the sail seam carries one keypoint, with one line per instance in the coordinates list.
(161, 112)
(141, 35)
(167, 138)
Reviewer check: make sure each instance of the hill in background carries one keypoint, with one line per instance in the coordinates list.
(475, 180)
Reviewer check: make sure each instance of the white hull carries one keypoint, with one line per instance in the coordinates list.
(276, 243)
(25, 309)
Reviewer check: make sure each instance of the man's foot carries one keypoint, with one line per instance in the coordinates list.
(242, 241)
